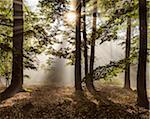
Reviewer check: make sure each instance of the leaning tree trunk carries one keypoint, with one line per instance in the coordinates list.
(78, 86)
(89, 81)
(17, 66)
(85, 39)
(141, 74)
(127, 55)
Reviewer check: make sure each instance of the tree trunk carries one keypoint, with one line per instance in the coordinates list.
(89, 81)
(127, 55)
(17, 66)
(141, 74)
(85, 40)
(78, 86)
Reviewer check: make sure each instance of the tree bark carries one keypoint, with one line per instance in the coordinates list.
(89, 81)
(127, 55)
(85, 39)
(142, 99)
(78, 86)
(17, 64)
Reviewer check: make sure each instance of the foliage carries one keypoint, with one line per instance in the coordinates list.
(6, 36)
(48, 28)
(108, 30)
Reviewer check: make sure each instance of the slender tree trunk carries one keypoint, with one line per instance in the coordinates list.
(127, 55)
(17, 66)
(89, 81)
(141, 74)
(7, 75)
(85, 39)
(78, 86)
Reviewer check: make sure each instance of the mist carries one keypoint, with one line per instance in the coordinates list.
(61, 74)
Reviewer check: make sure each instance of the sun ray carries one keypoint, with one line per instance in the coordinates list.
(70, 17)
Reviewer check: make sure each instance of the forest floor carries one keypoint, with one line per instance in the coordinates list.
(47, 102)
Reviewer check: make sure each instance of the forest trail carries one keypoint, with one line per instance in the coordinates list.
(49, 102)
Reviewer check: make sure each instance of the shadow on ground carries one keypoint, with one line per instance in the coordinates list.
(62, 103)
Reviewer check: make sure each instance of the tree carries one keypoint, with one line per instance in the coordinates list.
(85, 39)
(78, 86)
(127, 55)
(89, 81)
(141, 74)
(17, 66)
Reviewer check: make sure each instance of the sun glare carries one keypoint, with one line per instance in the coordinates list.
(70, 17)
